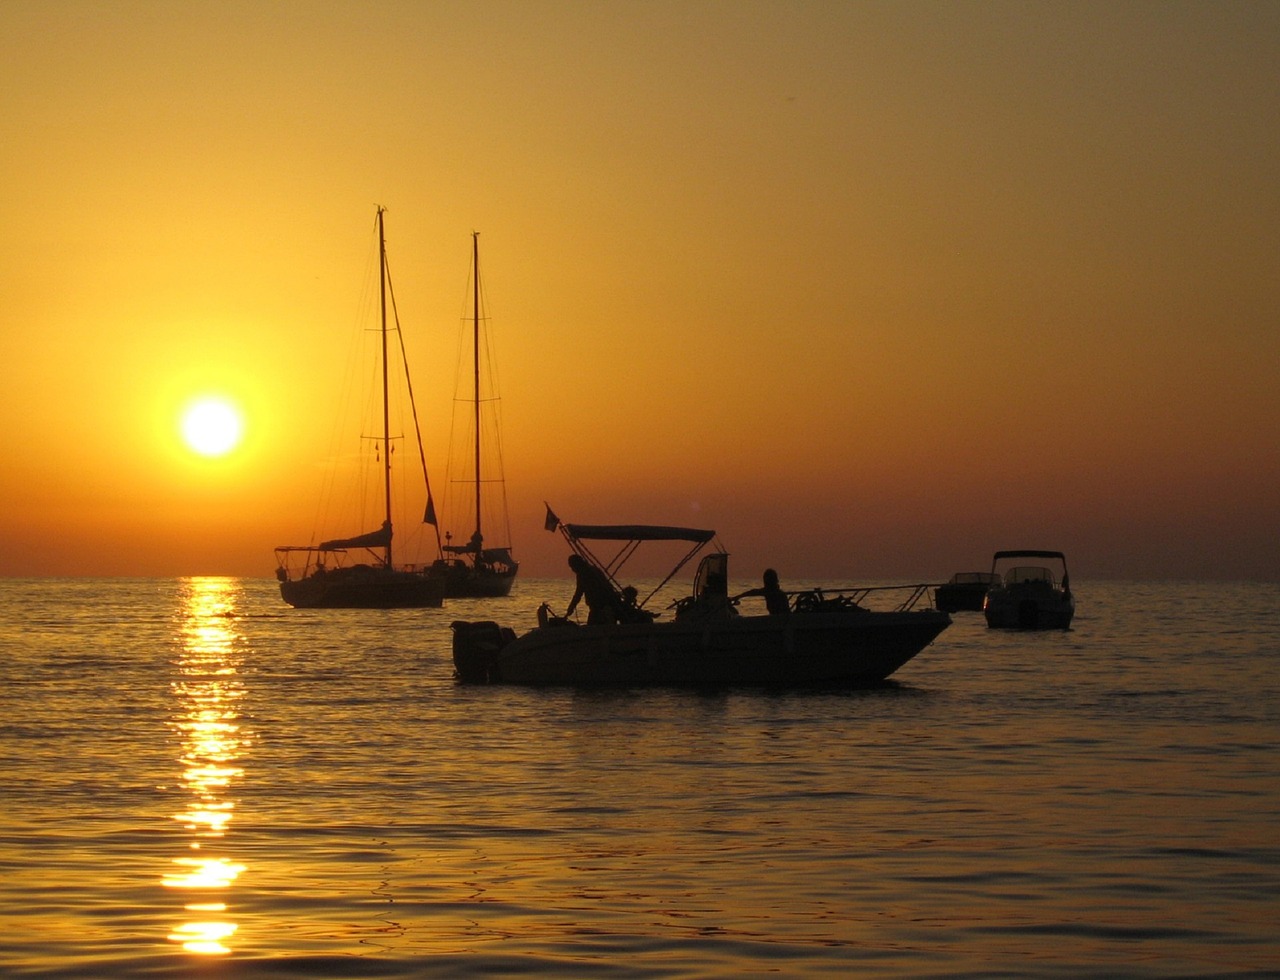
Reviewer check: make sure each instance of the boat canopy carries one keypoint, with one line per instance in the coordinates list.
(637, 532)
(630, 537)
(472, 547)
(1029, 554)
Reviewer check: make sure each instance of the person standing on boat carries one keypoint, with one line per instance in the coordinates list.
(595, 587)
(775, 600)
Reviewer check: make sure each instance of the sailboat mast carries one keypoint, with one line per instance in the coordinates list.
(475, 346)
(386, 412)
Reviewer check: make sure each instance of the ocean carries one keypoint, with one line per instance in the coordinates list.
(199, 781)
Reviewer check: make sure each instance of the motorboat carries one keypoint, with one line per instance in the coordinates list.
(1030, 595)
(964, 591)
(826, 638)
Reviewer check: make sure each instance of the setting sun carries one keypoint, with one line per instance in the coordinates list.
(212, 426)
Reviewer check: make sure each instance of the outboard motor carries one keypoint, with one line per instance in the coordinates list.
(475, 649)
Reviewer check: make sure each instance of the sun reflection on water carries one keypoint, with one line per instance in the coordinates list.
(206, 690)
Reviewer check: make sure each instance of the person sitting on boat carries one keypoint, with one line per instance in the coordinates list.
(595, 587)
(629, 610)
(775, 600)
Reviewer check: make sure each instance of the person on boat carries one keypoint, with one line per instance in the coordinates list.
(775, 600)
(629, 610)
(595, 587)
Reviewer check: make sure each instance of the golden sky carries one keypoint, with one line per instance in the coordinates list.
(873, 289)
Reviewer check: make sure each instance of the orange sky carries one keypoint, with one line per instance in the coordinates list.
(873, 289)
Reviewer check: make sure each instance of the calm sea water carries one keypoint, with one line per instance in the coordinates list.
(199, 781)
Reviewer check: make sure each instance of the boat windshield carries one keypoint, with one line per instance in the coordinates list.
(1028, 573)
(713, 576)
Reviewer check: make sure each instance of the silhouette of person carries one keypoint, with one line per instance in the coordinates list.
(775, 600)
(595, 587)
(629, 610)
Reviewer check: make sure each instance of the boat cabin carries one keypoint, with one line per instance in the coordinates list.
(1029, 575)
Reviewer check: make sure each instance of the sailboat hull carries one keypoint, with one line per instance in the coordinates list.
(364, 587)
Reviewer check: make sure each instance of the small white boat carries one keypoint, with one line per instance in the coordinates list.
(1029, 596)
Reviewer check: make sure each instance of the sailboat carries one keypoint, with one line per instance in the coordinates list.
(358, 572)
(479, 568)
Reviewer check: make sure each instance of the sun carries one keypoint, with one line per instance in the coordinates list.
(212, 426)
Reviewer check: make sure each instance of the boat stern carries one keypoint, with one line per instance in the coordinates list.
(476, 648)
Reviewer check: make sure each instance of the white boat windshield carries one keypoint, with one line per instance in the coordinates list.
(1028, 573)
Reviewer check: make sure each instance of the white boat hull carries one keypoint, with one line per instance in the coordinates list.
(1016, 609)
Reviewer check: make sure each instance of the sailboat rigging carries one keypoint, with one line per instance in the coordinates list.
(479, 568)
(321, 576)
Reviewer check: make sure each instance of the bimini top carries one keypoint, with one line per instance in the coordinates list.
(636, 532)
(1028, 554)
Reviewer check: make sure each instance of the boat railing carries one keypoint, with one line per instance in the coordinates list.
(899, 598)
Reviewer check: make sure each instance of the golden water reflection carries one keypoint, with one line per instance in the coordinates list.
(206, 691)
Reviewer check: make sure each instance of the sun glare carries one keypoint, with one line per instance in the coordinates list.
(212, 426)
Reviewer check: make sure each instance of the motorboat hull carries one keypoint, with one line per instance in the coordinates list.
(960, 596)
(819, 649)
(1015, 609)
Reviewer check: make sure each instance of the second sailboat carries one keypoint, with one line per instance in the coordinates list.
(481, 567)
